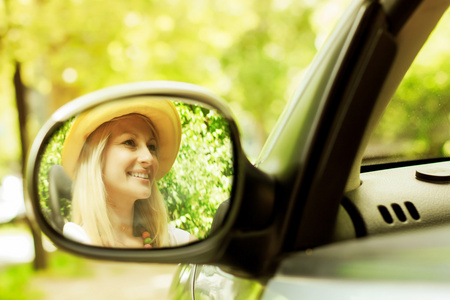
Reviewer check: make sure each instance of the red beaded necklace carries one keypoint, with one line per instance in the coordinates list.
(146, 237)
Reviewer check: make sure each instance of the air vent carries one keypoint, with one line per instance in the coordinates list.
(385, 214)
(412, 210)
(399, 212)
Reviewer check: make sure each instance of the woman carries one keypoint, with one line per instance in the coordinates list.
(115, 153)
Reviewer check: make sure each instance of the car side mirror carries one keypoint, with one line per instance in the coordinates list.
(144, 165)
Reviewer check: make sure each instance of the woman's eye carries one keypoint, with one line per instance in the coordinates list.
(152, 148)
(129, 143)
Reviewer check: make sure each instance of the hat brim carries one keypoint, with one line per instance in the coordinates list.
(162, 114)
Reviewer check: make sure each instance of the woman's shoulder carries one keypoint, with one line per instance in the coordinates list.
(177, 237)
(76, 232)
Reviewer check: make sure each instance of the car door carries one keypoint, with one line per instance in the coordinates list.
(387, 45)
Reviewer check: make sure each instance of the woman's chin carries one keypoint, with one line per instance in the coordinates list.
(143, 195)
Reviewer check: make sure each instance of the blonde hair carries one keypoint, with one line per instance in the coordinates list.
(89, 202)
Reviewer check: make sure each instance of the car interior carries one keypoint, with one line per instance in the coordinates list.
(398, 193)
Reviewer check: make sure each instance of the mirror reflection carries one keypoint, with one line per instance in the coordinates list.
(140, 172)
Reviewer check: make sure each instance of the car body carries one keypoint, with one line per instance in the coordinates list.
(306, 220)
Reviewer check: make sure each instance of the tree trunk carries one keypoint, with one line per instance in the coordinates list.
(40, 259)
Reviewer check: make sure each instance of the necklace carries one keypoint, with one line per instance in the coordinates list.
(146, 237)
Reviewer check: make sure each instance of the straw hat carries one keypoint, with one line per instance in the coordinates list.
(162, 114)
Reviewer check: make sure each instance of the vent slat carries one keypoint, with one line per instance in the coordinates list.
(385, 214)
(399, 212)
(412, 210)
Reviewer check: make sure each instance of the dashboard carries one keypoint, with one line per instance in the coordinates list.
(402, 198)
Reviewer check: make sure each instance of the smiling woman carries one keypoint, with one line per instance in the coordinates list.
(117, 166)
(117, 155)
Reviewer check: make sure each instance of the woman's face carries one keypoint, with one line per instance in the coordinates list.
(130, 161)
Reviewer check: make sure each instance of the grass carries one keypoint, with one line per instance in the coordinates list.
(15, 279)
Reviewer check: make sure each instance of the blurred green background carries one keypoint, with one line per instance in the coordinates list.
(416, 124)
(251, 53)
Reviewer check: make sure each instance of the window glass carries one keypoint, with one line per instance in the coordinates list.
(416, 124)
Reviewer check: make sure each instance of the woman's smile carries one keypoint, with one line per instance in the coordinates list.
(139, 175)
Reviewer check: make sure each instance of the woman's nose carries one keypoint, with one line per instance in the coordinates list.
(146, 156)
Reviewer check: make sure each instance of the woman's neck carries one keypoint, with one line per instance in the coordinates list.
(122, 223)
(121, 217)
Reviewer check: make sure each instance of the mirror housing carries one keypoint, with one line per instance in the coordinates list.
(241, 227)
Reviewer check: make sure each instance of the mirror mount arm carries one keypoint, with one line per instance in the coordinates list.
(254, 240)
(258, 198)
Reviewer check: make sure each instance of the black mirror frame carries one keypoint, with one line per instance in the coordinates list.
(200, 252)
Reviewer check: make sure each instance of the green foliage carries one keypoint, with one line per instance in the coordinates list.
(250, 52)
(198, 182)
(416, 123)
(52, 156)
(202, 175)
